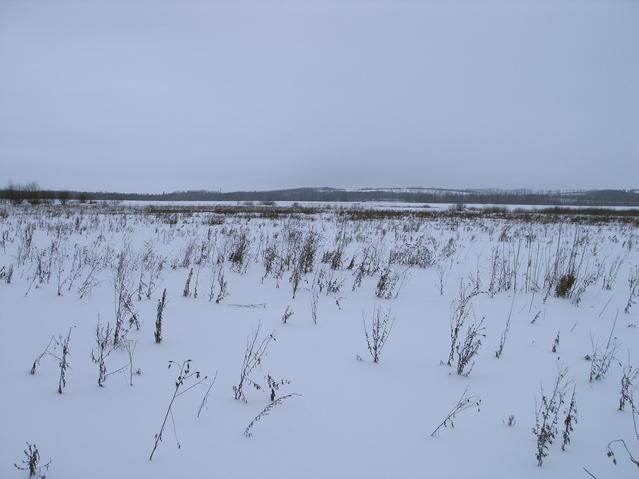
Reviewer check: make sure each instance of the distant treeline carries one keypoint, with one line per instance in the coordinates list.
(33, 194)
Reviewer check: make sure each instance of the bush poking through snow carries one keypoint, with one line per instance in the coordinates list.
(63, 360)
(6, 274)
(248, 432)
(469, 348)
(239, 255)
(185, 381)
(222, 285)
(504, 334)
(254, 353)
(378, 331)
(314, 304)
(564, 285)
(569, 420)
(287, 315)
(203, 404)
(628, 379)
(459, 314)
(466, 401)
(158, 318)
(296, 277)
(633, 284)
(274, 385)
(388, 284)
(187, 285)
(555, 343)
(123, 299)
(509, 421)
(635, 417)
(602, 356)
(104, 343)
(329, 282)
(547, 416)
(104, 348)
(130, 347)
(46, 352)
(62, 344)
(31, 462)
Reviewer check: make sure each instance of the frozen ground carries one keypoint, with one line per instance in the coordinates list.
(352, 418)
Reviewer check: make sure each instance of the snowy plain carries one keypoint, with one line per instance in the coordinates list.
(367, 205)
(350, 417)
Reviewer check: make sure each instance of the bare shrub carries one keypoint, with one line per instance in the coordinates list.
(441, 274)
(611, 454)
(129, 347)
(465, 401)
(314, 304)
(460, 309)
(628, 378)
(555, 343)
(248, 432)
(329, 282)
(206, 395)
(564, 285)
(388, 284)
(547, 416)
(123, 299)
(335, 258)
(368, 266)
(197, 281)
(504, 334)
(46, 352)
(306, 260)
(150, 271)
(610, 275)
(187, 285)
(503, 269)
(185, 381)
(63, 360)
(89, 281)
(570, 420)
(274, 385)
(415, 254)
(222, 286)
(31, 462)
(6, 274)
(509, 421)
(254, 353)
(158, 318)
(633, 284)
(378, 331)
(59, 269)
(469, 348)
(449, 248)
(104, 346)
(296, 277)
(602, 355)
(239, 253)
(569, 274)
(287, 315)
(272, 261)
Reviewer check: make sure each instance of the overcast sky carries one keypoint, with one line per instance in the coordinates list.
(153, 95)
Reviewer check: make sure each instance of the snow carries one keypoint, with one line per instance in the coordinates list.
(369, 205)
(353, 418)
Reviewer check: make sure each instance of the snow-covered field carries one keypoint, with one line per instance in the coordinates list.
(331, 411)
(368, 205)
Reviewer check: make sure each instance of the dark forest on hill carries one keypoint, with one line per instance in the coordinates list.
(32, 193)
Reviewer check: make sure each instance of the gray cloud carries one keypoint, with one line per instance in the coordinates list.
(175, 94)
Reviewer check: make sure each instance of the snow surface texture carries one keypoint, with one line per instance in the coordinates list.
(352, 418)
